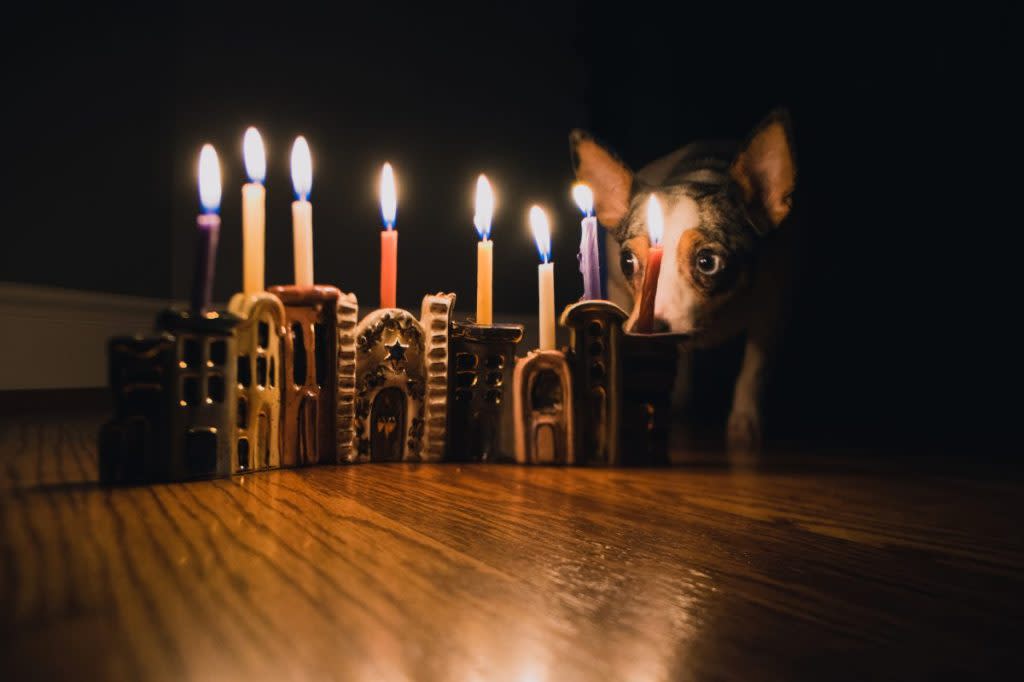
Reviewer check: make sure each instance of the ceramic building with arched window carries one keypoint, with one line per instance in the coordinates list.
(258, 361)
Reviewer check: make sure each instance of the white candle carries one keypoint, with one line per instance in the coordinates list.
(590, 259)
(302, 212)
(484, 251)
(254, 213)
(545, 278)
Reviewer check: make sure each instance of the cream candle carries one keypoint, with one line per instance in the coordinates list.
(484, 251)
(388, 239)
(649, 289)
(254, 213)
(545, 278)
(302, 212)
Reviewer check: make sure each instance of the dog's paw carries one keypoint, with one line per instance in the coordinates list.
(743, 433)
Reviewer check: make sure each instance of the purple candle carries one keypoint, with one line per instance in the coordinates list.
(590, 259)
(208, 224)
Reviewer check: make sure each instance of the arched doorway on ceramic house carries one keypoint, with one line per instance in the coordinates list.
(390, 387)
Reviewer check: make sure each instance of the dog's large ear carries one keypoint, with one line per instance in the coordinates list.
(609, 178)
(765, 170)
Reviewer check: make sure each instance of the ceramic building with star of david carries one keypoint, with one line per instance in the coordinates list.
(397, 406)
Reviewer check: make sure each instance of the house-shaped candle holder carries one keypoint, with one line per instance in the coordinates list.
(401, 366)
(317, 319)
(483, 356)
(649, 364)
(595, 356)
(543, 409)
(259, 367)
(175, 398)
(134, 446)
(204, 386)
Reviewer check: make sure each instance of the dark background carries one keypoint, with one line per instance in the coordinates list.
(899, 341)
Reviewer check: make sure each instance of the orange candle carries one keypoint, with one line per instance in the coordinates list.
(484, 251)
(649, 290)
(388, 239)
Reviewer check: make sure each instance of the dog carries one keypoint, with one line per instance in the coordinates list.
(727, 256)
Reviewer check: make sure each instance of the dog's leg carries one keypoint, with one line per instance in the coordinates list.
(743, 434)
(769, 306)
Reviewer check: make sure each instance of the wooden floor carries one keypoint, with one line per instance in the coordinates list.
(444, 572)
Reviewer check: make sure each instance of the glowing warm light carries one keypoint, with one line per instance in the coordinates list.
(655, 220)
(541, 232)
(388, 198)
(484, 207)
(209, 179)
(254, 155)
(302, 168)
(584, 198)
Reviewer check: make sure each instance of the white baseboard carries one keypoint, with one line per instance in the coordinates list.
(57, 338)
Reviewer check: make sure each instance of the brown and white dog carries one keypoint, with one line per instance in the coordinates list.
(725, 266)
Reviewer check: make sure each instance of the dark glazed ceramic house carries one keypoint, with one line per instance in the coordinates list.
(622, 387)
(135, 445)
(204, 385)
(649, 364)
(175, 398)
(479, 426)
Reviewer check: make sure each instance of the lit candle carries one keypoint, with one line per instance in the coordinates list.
(254, 213)
(388, 239)
(484, 251)
(649, 290)
(545, 277)
(208, 233)
(590, 259)
(302, 212)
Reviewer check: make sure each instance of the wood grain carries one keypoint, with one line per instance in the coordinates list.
(485, 572)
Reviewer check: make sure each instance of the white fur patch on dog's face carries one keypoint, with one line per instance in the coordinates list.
(676, 299)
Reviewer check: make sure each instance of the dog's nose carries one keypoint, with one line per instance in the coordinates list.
(660, 326)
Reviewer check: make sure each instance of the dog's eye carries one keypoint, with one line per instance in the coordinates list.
(708, 262)
(629, 263)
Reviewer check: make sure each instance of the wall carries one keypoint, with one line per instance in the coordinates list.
(116, 103)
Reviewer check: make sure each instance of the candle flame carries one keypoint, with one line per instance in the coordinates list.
(584, 198)
(388, 198)
(302, 168)
(541, 232)
(254, 155)
(655, 220)
(209, 179)
(484, 207)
